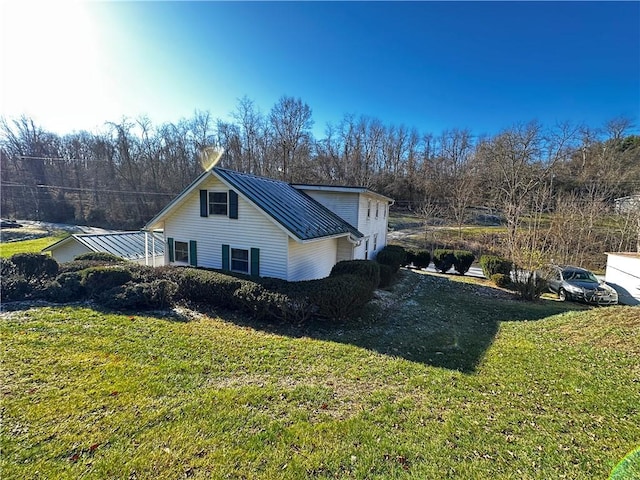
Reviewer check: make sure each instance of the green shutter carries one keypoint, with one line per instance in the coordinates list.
(233, 204)
(204, 203)
(193, 253)
(225, 257)
(255, 262)
(170, 245)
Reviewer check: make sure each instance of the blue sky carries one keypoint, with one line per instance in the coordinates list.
(429, 65)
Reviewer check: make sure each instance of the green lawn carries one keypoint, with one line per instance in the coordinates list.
(7, 249)
(437, 379)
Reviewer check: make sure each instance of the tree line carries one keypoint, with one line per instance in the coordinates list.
(123, 175)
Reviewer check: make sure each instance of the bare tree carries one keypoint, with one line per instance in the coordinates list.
(291, 121)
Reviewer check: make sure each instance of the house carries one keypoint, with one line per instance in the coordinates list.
(140, 247)
(249, 224)
(623, 274)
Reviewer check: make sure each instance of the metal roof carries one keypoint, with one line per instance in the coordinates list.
(296, 211)
(339, 188)
(127, 245)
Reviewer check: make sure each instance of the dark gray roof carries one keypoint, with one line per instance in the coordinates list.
(293, 209)
(128, 245)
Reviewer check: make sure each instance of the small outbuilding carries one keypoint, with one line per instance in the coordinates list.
(623, 274)
(145, 248)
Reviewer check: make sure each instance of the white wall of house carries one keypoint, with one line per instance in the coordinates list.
(313, 259)
(372, 225)
(343, 204)
(252, 229)
(67, 251)
(345, 249)
(623, 274)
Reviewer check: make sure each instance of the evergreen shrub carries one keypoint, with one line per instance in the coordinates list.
(393, 255)
(158, 294)
(492, 264)
(443, 259)
(422, 258)
(97, 280)
(501, 280)
(102, 257)
(366, 269)
(462, 260)
(34, 267)
(386, 275)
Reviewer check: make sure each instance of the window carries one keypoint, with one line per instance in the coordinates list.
(366, 249)
(217, 203)
(239, 260)
(181, 250)
(375, 242)
(384, 211)
(377, 214)
(368, 209)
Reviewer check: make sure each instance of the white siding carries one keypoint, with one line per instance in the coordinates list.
(252, 229)
(343, 204)
(623, 274)
(345, 249)
(371, 225)
(312, 260)
(68, 251)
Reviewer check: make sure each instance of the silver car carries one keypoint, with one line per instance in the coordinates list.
(575, 283)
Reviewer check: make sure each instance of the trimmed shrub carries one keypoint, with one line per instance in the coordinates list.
(492, 264)
(211, 288)
(422, 258)
(386, 275)
(367, 269)
(393, 255)
(411, 257)
(338, 297)
(34, 267)
(158, 294)
(100, 279)
(78, 265)
(501, 280)
(14, 288)
(67, 287)
(443, 259)
(462, 260)
(102, 257)
(7, 267)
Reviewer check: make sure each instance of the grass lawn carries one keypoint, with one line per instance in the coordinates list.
(437, 379)
(35, 245)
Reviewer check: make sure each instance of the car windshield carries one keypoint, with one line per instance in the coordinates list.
(579, 275)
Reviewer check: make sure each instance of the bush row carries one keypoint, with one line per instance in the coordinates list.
(126, 286)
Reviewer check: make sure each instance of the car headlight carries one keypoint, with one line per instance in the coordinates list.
(574, 289)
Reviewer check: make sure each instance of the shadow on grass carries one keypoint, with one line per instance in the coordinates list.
(431, 319)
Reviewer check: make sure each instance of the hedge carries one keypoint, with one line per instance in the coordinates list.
(34, 267)
(366, 269)
(421, 258)
(102, 257)
(97, 280)
(501, 280)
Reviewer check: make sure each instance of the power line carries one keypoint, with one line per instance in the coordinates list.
(91, 190)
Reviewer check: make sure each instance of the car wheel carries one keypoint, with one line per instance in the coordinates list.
(562, 295)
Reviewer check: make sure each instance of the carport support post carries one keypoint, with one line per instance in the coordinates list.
(146, 248)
